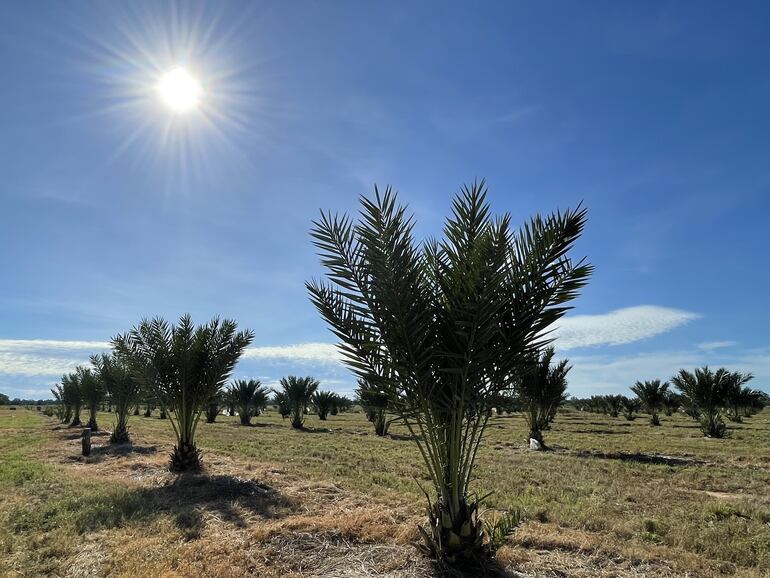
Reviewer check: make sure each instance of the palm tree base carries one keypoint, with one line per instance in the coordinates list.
(76, 422)
(456, 547)
(185, 458)
(120, 436)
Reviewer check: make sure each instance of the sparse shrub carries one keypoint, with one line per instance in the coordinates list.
(185, 366)
(443, 328)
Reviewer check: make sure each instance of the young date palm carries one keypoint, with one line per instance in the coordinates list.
(281, 400)
(613, 403)
(631, 405)
(250, 398)
(651, 394)
(123, 389)
(185, 366)
(212, 409)
(442, 329)
(92, 389)
(72, 397)
(299, 393)
(705, 392)
(542, 389)
(737, 396)
(671, 403)
(323, 402)
(375, 405)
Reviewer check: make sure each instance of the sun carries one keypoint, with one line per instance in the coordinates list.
(179, 90)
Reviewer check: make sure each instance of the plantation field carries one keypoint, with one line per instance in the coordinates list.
(614, 498)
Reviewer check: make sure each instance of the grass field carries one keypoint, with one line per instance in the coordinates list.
(615, 498)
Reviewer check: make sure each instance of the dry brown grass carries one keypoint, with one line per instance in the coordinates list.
(121, 513)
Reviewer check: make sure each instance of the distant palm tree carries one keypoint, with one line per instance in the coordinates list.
(671, 402)
(281, 400)
(441, 327)
(212, 409)
(185, 366)
(250, 398)
(63, 411)
(613, 404)
(323, 402)
(738, 396)
(651, 394)
(72, 396)
(705, 392)
(631, 406)
(299, 393)
(542, 389)
(375, 405)
(92, 389)
(122, 387)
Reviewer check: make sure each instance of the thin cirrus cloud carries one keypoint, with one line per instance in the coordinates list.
(714, 345)
(53, 357)
(618, 327)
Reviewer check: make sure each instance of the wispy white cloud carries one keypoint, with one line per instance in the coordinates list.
(16, 363)
(50, 344)
(305, 352)
(714, 345)
(618, 327)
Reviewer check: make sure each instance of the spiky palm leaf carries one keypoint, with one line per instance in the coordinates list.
(441, 329)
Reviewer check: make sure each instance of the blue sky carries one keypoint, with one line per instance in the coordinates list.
(655, 114)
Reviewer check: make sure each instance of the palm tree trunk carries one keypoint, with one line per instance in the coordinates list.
(92, 419)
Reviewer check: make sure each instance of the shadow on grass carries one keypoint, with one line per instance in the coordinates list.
(99, 453)
(600, 431)
(189, 500)
(641, 458)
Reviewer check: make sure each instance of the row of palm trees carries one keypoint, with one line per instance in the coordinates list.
(704, 394)
(443, 331)
(439, 334)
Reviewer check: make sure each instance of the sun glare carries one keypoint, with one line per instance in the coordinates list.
(179, 90)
